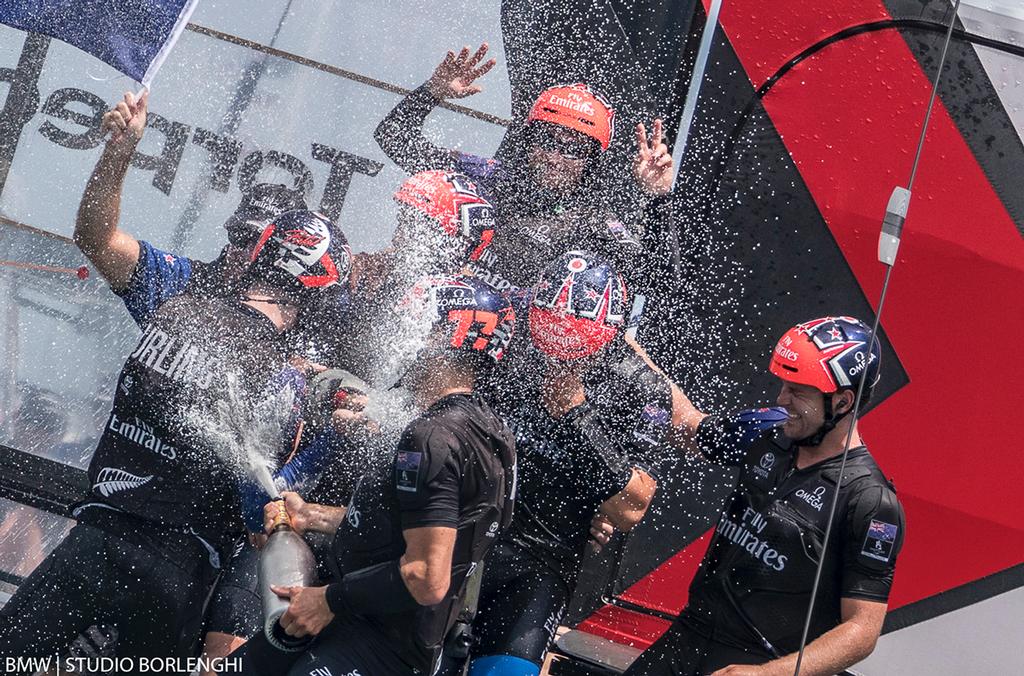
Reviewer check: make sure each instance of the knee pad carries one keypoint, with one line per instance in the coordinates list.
(503, 665)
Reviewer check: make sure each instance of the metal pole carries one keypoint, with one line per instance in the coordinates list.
(888, 245)
(690, 107)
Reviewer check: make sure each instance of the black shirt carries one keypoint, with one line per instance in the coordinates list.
(162, 455)
(567, 468)
(455, 467)
(754, 584)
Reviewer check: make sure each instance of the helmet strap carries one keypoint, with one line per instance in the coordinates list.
(831, 420)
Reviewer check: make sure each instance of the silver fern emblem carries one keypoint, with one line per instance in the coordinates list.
(112, 480)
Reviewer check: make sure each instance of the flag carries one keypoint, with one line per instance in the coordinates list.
(133, 36)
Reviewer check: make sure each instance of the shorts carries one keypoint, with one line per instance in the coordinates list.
(151, 588)
(347, 647)
(681, 651)
(236, 608)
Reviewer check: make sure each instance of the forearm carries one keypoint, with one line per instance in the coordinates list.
(323, 518)
(830, 653)
(400, 134)
(626, 508)
(100, 209)
(113, 252)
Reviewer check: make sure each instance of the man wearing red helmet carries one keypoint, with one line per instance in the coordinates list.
(748, 602)
(573, 466)
(163, 513)
(443, 223)
(417, 526)
(540, 193)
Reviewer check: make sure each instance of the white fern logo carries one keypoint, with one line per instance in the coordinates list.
(112, 480)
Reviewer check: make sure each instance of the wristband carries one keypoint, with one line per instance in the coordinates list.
(376, 590)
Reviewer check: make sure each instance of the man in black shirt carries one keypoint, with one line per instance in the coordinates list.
(163, 511)
(415, 529)
(573, 466)
(748, 602)
(543, 193)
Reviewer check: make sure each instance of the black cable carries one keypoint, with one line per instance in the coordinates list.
(852, 31)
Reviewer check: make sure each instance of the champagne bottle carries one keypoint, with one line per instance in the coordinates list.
(286, 561)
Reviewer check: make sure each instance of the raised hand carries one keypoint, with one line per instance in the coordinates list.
(652, 166)
(126, 120)
(453, 78)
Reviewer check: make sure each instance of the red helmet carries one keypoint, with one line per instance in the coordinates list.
(452, 201)
(578, 306)
(830, 353)
(577, 107)
(301, 250)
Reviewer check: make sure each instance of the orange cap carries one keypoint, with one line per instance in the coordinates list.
(577, 107)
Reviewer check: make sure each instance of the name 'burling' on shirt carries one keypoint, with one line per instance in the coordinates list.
(175, 358)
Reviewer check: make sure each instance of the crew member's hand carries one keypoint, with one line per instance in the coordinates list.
(308, 612)
(297, 508)
(652, 166)
(349, 417)
(453, 78)
(126, 121)
(257, 540)
(601, 532)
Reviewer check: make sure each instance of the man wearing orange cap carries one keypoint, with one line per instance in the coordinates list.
(542, 194)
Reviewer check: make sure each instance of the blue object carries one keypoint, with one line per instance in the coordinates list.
(503, 665)
(133, 36)
(752, 423)
(159, 277)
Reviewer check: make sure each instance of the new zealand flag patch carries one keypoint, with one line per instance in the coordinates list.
(407, 470)
(880, 540)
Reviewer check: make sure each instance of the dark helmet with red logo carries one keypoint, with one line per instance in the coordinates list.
(460, 313)
(831, 354)
(579, 306)
(301, 252)
(451, 207)
(578, 107)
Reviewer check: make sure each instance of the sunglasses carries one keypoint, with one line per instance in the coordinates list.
(542, 137)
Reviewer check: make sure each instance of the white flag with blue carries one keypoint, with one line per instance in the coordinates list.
(133, 36)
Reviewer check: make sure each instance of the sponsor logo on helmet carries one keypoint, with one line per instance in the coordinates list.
(783, 350)
(861, 364)
(573, 101)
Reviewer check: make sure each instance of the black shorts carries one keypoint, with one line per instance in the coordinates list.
(344, 648)
(150, 588)
(522, 602)
(682, 651)
(236, 607)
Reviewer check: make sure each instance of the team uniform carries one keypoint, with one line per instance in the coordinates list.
(163, 511)
(568, 467)
(748, 601)
(454, 467)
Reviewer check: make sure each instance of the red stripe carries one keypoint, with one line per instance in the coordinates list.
(850, 117)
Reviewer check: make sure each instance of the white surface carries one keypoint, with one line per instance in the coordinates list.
(983, 639)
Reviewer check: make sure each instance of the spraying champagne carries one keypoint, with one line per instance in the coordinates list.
(285, 561)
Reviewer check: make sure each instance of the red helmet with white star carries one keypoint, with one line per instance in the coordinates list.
(830, 353)
(579, 306)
